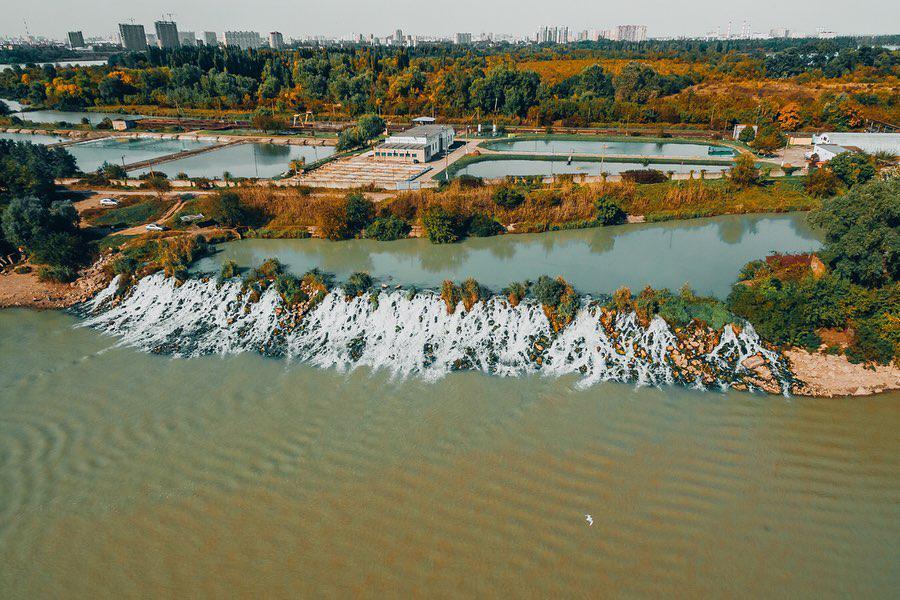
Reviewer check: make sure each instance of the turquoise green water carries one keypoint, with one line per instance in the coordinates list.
(34, 139)
(125, 474)
(608, 148)
(707, 253)
(116, 150)
(244, 160)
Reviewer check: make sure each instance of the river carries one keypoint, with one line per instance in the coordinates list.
(707, 253)
(128, 474)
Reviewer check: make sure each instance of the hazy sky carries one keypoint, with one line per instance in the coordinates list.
(53, 18)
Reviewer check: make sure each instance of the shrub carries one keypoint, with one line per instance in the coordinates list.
(515, 292)
(744, 172)
(451, 295)
(358, 284)
(332, 222)
(290, 289)
(471, 292)
(229, 270)
(548, 291)
(481, 225)
(387, 229)
(469, 181)
(440, 226)
(644, 176)
(508, 197)
(821, 183)
(608, 212)
(224, 208)
(57, 273)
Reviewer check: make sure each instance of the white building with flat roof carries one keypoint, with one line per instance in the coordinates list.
(868, 142)
(420, 144)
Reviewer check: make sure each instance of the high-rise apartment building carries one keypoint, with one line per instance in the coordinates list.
(276, 40)
(210, 39)
(76, 39)
(629, 33)
(167, 34)
(187, 38)
(132, 37)
(243, 39)
(463, 38)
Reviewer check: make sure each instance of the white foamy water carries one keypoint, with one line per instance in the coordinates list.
(410, 336)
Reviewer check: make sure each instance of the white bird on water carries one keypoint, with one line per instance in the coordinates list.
(590, 520)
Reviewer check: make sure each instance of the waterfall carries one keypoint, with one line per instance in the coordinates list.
(415, 336)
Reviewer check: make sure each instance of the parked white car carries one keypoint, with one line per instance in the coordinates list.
(154, 227)
(108, 202)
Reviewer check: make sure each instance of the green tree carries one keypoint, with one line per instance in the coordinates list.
(360, 212)
(744, 172)
(440, 226)
(608, 212)
(747, 134)
(508, 197)
(388, 228)
(852, 167)
(768, 139)
(862, 233)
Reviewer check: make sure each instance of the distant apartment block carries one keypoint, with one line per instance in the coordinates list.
(187, 38)
(552, 35)
(779, 32)
(167, 34)
(152, 42)
(243, 39)
(210, 39)
(463, 38)
(629, 33)
(276, 40)
(132, 37)
(76, 39)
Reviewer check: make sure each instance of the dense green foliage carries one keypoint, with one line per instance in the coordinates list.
(29, 169)
(852, 167)
(862, 233)
(367, 128)
(440, 226)
(462, 81)
(481, 225)
(389, 228)
(358, 284)
(789, 302)
(508, 196)
(609, 212)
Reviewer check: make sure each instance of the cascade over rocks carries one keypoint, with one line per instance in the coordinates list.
(414, 335)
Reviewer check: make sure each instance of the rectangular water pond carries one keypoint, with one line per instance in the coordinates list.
(243, 160)
(607, 148)
(91, 155)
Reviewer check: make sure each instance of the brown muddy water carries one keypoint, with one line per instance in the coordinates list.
(124, 474)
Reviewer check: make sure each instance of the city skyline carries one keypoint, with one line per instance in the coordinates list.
(54, 18)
